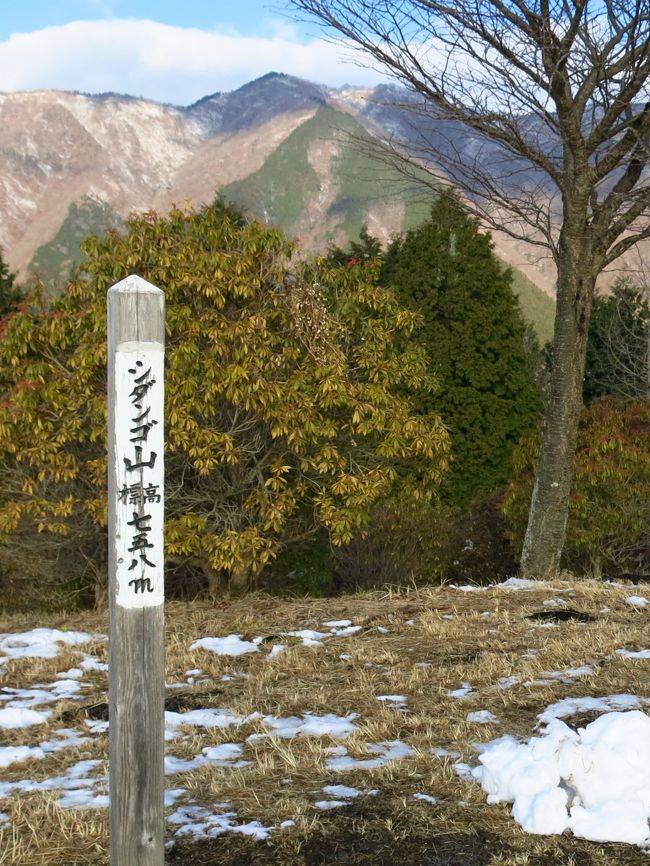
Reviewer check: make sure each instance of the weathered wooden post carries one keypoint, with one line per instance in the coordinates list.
(136, 335)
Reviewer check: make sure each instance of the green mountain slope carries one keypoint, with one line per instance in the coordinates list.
(537, 307)
(54, 260)
(324, 169)
(321, 168)
(324, 181)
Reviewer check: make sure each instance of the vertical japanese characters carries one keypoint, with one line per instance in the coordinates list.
(140, 487)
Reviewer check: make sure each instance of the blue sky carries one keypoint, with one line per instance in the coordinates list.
(245, 16)
(170, 50)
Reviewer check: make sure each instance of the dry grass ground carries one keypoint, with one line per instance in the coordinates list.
(420, 644)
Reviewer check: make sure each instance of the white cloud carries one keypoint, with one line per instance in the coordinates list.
(164, 62)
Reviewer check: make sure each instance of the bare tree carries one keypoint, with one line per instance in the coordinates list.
(537, 110)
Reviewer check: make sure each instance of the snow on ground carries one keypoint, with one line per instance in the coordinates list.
(200, 823)
(40, 643)
(609, 703)
(636, 601)
(464, 691)
(232, 645)
(65, 739)
(18, 717)
(594, 781)
(393, 750)
(482, 717)
(310, 725)
(84, 785)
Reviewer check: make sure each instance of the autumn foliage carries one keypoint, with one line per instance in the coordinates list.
(283, 413)
(609, 508)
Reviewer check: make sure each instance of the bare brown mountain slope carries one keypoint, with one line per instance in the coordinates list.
(132, 154)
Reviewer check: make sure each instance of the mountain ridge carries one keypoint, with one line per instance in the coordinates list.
(128, 153)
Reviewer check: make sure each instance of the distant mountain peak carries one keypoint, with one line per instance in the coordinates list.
(255, 102)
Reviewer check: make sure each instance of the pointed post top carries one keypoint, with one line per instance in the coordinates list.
(133, 284)
(136, 313)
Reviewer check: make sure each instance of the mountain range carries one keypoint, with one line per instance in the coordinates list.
(287, 150)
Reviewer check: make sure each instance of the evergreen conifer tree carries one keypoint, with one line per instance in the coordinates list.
(475, 338)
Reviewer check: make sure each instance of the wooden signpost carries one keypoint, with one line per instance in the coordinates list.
(136, 336)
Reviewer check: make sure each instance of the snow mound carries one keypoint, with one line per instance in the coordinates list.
(594, 781)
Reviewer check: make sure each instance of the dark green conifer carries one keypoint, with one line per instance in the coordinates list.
(476, 340)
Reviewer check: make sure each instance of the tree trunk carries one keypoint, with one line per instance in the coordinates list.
(549, 508)
(239, 581)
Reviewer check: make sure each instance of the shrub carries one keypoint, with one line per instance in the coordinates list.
(609, 511)
(283, 414)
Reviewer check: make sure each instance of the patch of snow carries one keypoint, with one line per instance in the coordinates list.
(342, 791)
(14, 717)
(66, 738)
(310, 725)
(42, 693)
(199, 823)
(554, 603)
(464, 691)
(395, 701)
(76, 777)
(225, 755)
(97, 726)
(173, 794)
(571, 706)
(15, 754)
(92, 663)
(72, 674)
(427, 798)
(507, 682)
(345, 632)
(482, 717)
(521, 583)
(210, 718)
(231, 645)
(464, 771)
(566, 676)
(593, 782)
(224, 752)
(337, 623)
(439, 752)
(324, 805)
(276, 650)
(82, 798)
(308, 636)
(636, 601)
(392, 750)
(631, 654)
(40, 643)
